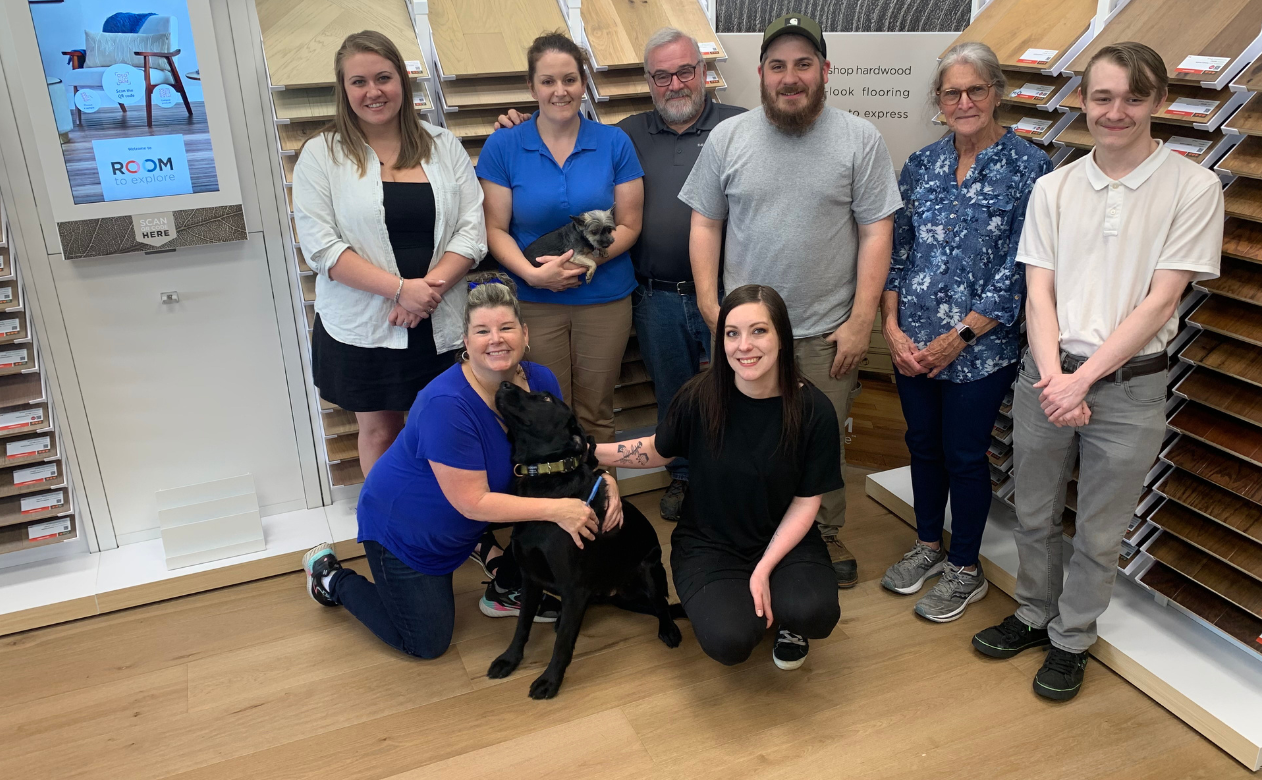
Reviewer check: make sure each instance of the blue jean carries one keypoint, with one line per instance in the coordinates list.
(674, 341)
(948, 433)
(408, 610)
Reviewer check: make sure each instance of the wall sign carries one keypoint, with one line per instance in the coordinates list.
(154, 229)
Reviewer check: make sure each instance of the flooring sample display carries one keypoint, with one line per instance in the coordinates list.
(1030, 35)
(1200, 601)
(1031, 89)
(31, 479)
(473, 149)
(485, 92)
(24, 421)
(36, 448)
(1074, 156)
(300, 38)
(294, 134)
(489, 37)
(346, 472)
(633, 397)
(1177, 30)
(1028, 122)
(10, 295)
(1248, 119)
(1216, 503)
(1226, 356)
(1220, 430)
(1230, 318)
(633, 373)
(1245, 159)
(1239, 280)
(1243, 199)
(25, 536)
(1242, 239)
(1250, 79)
(339, 422)
(480, 123)
(307, 283)
(304, 104)
(620, 83)
(1224, 393)
(1186, 104)
(1206, 570)
(632, 419)
(1077, 135)
(15, 510)
(342, 447)
(611, 112)
(617, 30)
(18, 389)
(13, 327)
(1211, 537)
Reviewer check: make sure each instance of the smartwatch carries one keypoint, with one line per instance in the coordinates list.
(966, 333)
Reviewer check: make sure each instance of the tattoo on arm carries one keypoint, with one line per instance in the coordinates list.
(632, 456)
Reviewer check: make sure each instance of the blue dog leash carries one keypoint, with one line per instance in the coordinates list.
(595, 487)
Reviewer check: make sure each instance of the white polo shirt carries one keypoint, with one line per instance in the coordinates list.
(1104, 239)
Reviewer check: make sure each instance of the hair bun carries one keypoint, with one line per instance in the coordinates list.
(492, 277)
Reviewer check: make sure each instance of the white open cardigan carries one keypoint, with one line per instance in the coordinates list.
(337, 209)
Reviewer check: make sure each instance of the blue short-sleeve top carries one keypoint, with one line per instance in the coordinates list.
(402, 507)
(546, 195)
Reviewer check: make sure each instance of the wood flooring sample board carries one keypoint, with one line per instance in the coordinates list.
(489, 37)
(1012, 28)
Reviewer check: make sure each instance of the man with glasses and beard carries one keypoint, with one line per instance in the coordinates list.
(808, 194)
(674, 339)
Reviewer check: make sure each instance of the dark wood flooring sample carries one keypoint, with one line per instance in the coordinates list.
(1214, 502)
(1238, 279)
(1244, 199)
(1228, 546)
(1208, 606)
(1230, 317)
(1224, 393)
(1228, 582)
(1242, 239)
(1226, 355)
(18, 389)
(1233, 474)
(1220, 430)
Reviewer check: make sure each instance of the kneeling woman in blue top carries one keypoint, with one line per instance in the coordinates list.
(429, 500)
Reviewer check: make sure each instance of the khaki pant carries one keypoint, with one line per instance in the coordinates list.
(815, 356)
(583, 346)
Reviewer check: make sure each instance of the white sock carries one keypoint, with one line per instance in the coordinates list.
(327, 580)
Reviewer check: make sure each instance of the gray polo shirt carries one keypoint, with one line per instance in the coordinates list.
(667, 158)
(793, 205)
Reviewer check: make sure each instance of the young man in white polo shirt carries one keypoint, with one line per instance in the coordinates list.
(1110, 244)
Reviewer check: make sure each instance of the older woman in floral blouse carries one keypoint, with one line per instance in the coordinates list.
(949, 315)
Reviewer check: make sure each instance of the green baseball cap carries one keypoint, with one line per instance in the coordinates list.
(795, 24)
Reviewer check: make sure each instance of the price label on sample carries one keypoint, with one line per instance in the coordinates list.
(711, 77)
(6, 294)
(9, 327)
(413, 66)
(708, 48)
(21, 449)
(1032, 92)
(23, 419)
(1128, 550)
(1193, 64)
(1037, 56)
(1190, 107)
(1032, 126)
(12, 357)
(419, 101)
(34, 474)
(1188, 147)
(42, 503)
(38, 531)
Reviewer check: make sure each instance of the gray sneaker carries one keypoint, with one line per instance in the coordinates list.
(956, 589)
(909, 575)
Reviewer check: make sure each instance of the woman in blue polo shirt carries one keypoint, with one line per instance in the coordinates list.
(535, 177)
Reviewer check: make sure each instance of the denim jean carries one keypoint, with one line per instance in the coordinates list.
(948, 433)
(408, 610)
(674, 341)
(1115, 450)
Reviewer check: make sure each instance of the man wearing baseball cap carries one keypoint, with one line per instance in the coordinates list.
(808, 193)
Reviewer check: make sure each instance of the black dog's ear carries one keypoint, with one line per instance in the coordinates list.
(578, 220)
(591, 451)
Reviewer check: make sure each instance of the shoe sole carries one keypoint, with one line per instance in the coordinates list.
(1056, 694)
(307, 559)
(788, 666)
(958, 613)
(934, 571)
(1004, 653)
(492, 612)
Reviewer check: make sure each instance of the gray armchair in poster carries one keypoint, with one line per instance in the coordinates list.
(145, 41)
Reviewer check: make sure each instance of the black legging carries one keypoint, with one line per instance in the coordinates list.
(803, 600)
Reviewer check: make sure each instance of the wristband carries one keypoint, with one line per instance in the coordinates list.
(399, 291)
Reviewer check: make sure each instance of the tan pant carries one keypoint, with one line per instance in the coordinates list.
(583, 346)
(814, 358)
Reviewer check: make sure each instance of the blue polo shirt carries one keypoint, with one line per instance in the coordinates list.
(402, 507)
(546, 195)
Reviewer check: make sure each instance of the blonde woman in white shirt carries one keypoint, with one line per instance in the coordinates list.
(389, 215)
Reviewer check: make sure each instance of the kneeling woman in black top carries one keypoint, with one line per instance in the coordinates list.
(763, 447)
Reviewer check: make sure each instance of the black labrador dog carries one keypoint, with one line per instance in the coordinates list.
(552, 458)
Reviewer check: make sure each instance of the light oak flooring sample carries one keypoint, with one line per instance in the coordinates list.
(1245, 159)
(1217, 503)
(294, 134)
(1243, 199)
(1230, 583)
(1175, 93)
(1226, 355)
(1213, 538)
(1177, 29)
(1210, 607)
(1248, 119)
(1230, 318)
(1017, 79)
(617, 30)
(501, 91)
(339, 422)
(300, 38)
(1078, 136)
(1242, 239)
(489, 37)
(346, 472)
(342, 447)
(257, 681)
(1011, 27)
(480, 123)
(1220, 430)
(1010, 115)
(307, 105)
(611, 112)
(1238, 279)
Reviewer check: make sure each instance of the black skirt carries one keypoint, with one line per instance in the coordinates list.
(377, 379)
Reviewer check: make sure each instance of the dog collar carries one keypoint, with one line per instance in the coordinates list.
(562, 466)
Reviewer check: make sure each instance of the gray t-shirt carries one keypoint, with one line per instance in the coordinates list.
(792, 205)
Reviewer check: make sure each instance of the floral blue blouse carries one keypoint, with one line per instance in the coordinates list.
(955, 247)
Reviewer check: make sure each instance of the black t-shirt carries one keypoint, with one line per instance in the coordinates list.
(737, 498)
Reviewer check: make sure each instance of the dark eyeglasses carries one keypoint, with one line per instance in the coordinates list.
(977, 92)
(685, 74)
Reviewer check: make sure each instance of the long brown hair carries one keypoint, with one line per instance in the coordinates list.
(710, 392)
(415, 143)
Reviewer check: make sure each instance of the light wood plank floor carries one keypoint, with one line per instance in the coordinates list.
(256, 681)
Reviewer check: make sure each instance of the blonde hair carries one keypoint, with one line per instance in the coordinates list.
(490, 290)
(416, 145)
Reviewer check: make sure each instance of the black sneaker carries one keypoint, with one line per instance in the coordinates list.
(498, 603)
(318, 563)
(790, 650)
(1009, 638)
(673, 500)
(844, 565)
(1061, 675)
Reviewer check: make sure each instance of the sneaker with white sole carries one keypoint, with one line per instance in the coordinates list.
(318, 563)
(790, 650)
(498, 603)
(955, 590)
(908, 575)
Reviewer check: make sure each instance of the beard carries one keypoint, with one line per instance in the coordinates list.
(796, 121)
(680, 114)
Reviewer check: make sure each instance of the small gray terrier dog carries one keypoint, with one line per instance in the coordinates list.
(589, 234)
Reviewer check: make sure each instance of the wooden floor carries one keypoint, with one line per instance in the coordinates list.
(256, 681)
